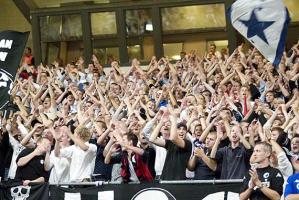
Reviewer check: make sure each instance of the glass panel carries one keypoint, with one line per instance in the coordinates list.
(134, 52)
(58, 3)
(220, 44)
(198, 45)
(148, 48)
(50, 51)
(66, 51)
(106, 55)
(293, 6)
(139, 21)
(103, 23)
(141, 48)
(71, 51)
(172, 50)
(71, 27)
(57, 28)
(220, 51)
(50, 28)
(193, 17)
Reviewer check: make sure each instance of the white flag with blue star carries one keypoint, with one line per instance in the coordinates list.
(264, 23)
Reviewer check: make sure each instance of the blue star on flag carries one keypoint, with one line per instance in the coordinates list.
(256, 27)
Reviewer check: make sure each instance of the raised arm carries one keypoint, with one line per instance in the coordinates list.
(24, 160)
(207, 130)
(217, 142)
(154, 136)
(111, 151)
(174, 132)
(200, 154)
(79, 142)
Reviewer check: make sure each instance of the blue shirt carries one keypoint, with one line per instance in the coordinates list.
(292, 186)
(163, 103)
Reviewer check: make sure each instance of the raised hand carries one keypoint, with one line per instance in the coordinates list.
(254, 178)
(199, 152)
(57, 134)
(114, 148)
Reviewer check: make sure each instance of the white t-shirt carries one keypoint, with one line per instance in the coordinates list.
(160, 159)
(60, 169)
(161, 152)
(82, 162)
(52, 113)
(285, 167)
(17, 148)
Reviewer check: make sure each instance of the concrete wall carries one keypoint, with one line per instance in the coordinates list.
(13, 19)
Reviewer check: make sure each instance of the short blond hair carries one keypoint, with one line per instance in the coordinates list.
(83, 133)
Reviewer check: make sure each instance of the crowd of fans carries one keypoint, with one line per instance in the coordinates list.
(218, 116)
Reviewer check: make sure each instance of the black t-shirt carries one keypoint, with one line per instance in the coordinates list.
(100, 166)
(4, 146)
(149, 158)
(235, 162)
(202, 171)
(176, 161)
(33, 169)
(254, 91)
(270, 177)
(224, 143)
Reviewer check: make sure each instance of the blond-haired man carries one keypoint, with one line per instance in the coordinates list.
(82, 154)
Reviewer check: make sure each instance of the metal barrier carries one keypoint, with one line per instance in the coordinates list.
(98, 183)
(203, 181)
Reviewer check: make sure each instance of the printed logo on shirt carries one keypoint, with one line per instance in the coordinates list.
(278, 175)
(297, 186)
(296, 181)
(266, 175)
(266, 184)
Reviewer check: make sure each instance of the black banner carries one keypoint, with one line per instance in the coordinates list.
(202, 191)
(12, 45)
(227, 191)
(15, 191)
